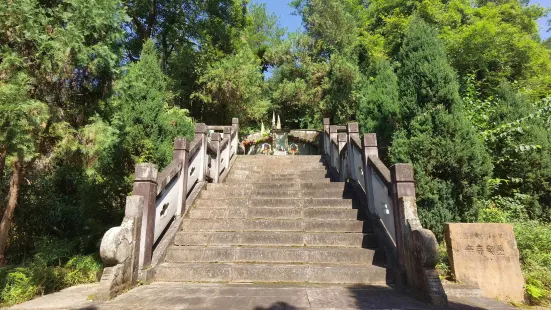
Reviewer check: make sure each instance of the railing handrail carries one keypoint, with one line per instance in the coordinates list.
(381, 169)
(164, 178)
(385, 194)
(224, 144)
(160, 200)
(356, 143)
(216, 128)
(211, 150)
(194, 147)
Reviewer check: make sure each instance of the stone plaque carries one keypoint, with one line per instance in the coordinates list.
(486, 255)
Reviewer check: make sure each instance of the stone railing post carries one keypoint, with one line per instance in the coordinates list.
(145, 185)
(227, 134)
(235, 127)
(215, 164)
(353, 134)
(369, 144)
(326, 141)
(333, 136)
(403, 186)
(181, 152)
(120, 251)
(201, 131)
(342, 139)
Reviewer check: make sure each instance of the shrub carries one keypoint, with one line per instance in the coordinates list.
(45, 274)
(534, 244)
(18, 287)
(81, 269)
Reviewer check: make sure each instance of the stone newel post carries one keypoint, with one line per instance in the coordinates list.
(333, 135)
(403, 186)
(342, 138)
(215, 166)
(353, 135)
(145, 185)
(235, 141)
(369, 144)
(227, 134)
(235, 126)
(181, 152)
(326, 141)
(201, 132)
(120, 250)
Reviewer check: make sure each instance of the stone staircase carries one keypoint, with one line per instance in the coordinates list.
(275, 219)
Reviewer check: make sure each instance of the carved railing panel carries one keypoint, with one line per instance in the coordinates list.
(163, 198)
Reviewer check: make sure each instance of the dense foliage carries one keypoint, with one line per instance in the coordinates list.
(458, 88)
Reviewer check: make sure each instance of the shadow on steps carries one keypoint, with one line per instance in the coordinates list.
(363, 297)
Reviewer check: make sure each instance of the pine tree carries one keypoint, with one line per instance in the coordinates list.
(451, 165)
(379, 106)
(426, 77)
(149, 123)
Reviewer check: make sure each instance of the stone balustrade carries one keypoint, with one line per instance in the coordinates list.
(153, 214)
(388, 197)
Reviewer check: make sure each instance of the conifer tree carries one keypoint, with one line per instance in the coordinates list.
(451, 165)
(149, 123)
(379, 107)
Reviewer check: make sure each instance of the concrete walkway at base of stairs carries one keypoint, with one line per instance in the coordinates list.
(169, 296)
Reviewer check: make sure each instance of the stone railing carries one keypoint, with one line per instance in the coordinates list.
(388, 197)
(153, 214)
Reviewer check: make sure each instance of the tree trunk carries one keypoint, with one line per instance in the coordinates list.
(5, 224)
(3, 154)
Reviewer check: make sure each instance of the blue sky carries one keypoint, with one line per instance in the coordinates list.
(292, 22)
(282, 10)
(543, 21)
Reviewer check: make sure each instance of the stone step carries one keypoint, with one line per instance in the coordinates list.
(276, 213)
(270, 273)
(293, 161)
(277, 165)
(286, 172)
(278, 202)
(277, 186)
(275, 179)
(321, 173)
(281, 239)
(262, 163)
(274, 225)
(303, 255)
(279, 158)
(274, 193)
(271, 181)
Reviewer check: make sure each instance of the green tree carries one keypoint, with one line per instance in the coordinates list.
(451, 164)
(318, 73)
(58, 62)
(426, 78)
(262, 33)
(515, 129)
(233, 87)
(147, 121)
(379, 106)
